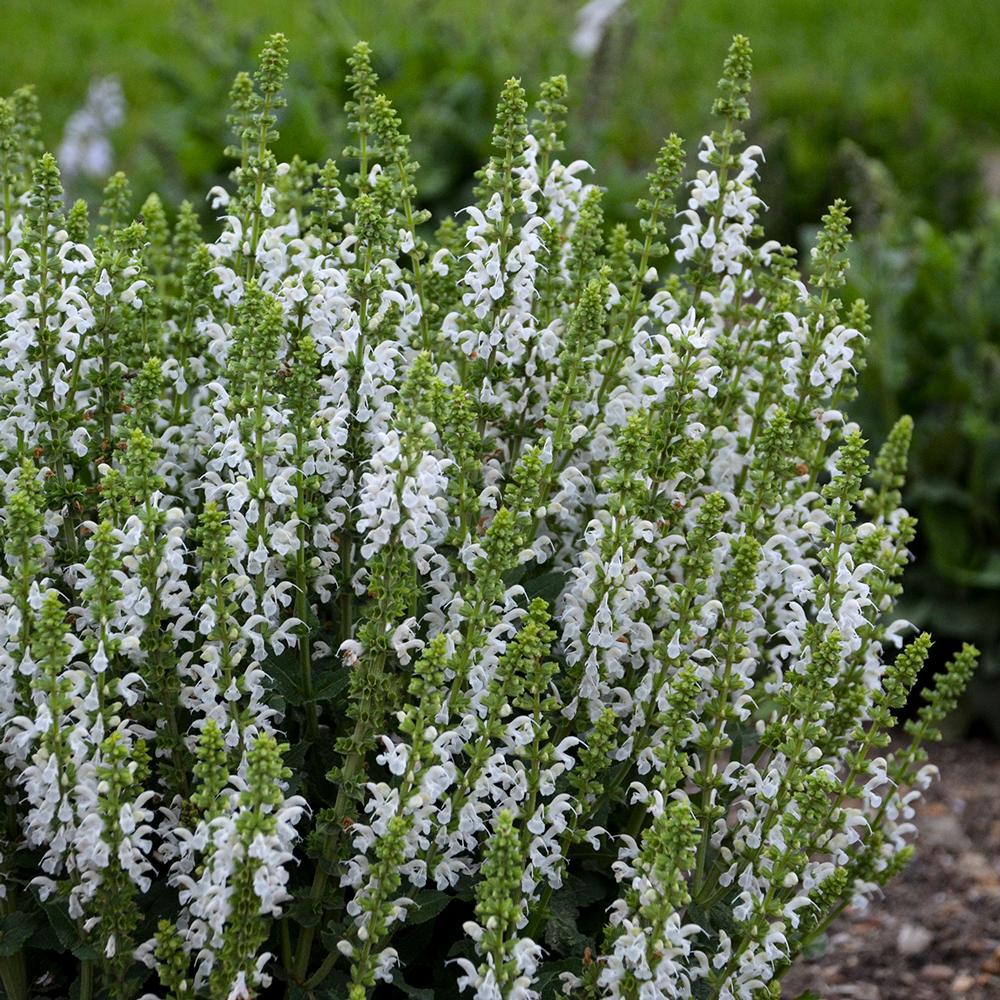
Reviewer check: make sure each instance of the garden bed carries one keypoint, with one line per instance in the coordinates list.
(936, 932)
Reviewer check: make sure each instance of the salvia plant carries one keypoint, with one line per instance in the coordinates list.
(504, 611)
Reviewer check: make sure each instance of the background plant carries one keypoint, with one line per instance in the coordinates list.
(533, 603)
(929, 113)
(935, 296)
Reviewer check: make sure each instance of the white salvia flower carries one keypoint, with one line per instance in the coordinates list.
(103, 286)
(591, 23)
(125, 688)
(404, 639)
(129, 295)
(219, 197)
(86, 148)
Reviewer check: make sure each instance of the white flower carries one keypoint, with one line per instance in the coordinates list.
(591, 23)
(85, 147)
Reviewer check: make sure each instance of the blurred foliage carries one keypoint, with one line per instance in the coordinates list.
(934, 352)
(912, 85)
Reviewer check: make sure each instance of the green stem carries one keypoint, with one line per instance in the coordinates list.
(718, 736)
(305, 646)
(352, 768)
(13, 971)
(15, 976)
(322, 972)
(418, 277)
(174, 731)
(302, 594)
(7, 205)
(286, 945)
(86, 979)
(182, 358)
(258, 187)
(69, 535)
(633, 306)
(260, 480)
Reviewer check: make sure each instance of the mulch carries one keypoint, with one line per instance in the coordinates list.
(935, 933)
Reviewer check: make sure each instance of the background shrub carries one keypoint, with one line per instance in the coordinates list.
(929, 112)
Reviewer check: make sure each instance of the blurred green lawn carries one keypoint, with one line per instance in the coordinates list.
(914, 84)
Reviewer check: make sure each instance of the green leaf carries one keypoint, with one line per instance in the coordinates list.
(696, 915)
(15, 929)
(744, 738)
(334, 987)
(295, 758)
(159, 903)
(817, 948)
(561, 934)
(430, 903)
(586, 888)
(421, 993)
(463, 947)
(331, 685)
(66, 932)
(548, 586)
(549, 984)
(722, 919)
(701, 989)
(44, 938)
(285, 672)
(303, 912)
(466, 888)
(285, 675)
(561, 931)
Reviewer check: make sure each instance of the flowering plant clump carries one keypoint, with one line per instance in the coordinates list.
(501, 612)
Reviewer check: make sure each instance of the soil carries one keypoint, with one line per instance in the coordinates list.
(935, 934)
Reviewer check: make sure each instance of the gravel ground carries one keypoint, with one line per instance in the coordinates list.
(936, 932)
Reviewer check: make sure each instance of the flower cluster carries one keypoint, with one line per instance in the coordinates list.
(355, 576)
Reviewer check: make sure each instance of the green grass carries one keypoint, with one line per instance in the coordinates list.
(913, 84)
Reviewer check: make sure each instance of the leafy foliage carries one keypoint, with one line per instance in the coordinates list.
(935, 299)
